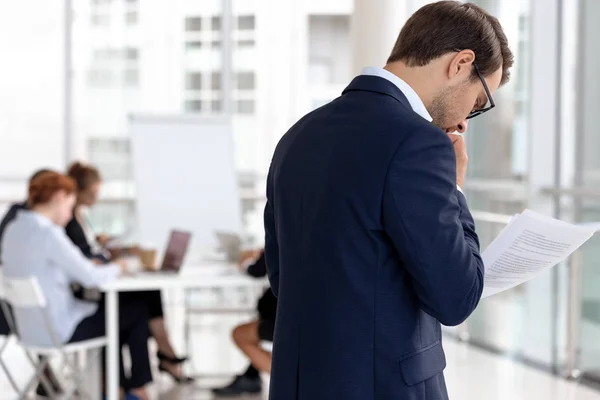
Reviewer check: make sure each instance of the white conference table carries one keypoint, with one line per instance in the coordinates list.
(207, 275)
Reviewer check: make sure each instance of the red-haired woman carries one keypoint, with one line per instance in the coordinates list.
(35, 244)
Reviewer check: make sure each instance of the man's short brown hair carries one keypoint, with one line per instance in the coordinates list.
(447, 26)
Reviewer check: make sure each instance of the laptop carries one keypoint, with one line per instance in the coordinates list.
(230, 244)
(177, 247)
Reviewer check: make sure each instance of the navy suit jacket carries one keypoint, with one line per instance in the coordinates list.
(369, 247)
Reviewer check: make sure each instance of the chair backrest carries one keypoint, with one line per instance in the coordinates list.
(24, 292)
(31, 321)
(6, 314)
(2, 295)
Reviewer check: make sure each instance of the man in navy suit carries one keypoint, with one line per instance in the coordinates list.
(370, 245)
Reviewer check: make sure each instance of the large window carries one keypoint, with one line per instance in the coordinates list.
(245, 81)
(584, 64)
(539, 149)
(112, 157)
(193, 24)
(215, 23)
(329, 51)
(499, 181)
(100, 19)
(194, 81)
(215, 80)
(31, 93)
(203, 39)
(245, 106)
(114, 218)
(246, 22)
(114, 67)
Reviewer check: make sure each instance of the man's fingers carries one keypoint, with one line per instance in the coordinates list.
(457, 140)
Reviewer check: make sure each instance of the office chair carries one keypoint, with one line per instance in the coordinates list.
(7, 337)
(27, 293)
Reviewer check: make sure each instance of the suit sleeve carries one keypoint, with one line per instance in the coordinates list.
(271, 245)
(429, 222)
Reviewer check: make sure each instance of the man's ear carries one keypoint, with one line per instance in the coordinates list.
(461, 65)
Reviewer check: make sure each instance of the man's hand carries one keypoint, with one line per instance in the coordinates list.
(462, 159)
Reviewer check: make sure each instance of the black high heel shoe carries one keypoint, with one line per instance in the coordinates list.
(171, 360)
(178, 379)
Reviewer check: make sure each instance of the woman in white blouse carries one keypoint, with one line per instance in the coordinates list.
(35, 244)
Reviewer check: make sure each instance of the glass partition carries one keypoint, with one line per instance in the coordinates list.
(498, 182)
(511, 165)
(587, 203)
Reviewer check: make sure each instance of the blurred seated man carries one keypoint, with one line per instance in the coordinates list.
(247, 337)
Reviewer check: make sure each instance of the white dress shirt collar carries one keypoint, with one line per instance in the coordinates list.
(413, 98)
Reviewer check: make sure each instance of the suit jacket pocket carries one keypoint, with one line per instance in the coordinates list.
(424, 364)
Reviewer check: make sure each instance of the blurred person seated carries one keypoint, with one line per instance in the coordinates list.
(35, 245)
(247, 337)
(4, 326)
(88, 182)
(12, 211)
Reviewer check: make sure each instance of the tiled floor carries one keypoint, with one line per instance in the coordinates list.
(472, 374)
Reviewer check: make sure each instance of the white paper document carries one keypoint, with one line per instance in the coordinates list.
(530, 244)
(119, 241)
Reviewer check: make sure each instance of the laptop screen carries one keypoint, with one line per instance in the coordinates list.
(176, 250)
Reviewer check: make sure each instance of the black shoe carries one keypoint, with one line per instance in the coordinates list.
(172, 360)
(240, 385)
(177, 378)
(42, 392)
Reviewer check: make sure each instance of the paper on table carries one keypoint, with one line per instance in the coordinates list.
(119, 240)
(530, 244)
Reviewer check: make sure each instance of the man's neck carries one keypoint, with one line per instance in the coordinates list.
(415, 78)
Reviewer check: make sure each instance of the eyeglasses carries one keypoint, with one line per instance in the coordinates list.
(476, 113)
